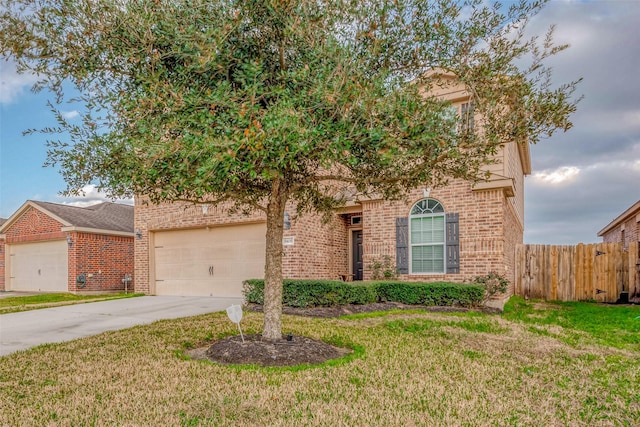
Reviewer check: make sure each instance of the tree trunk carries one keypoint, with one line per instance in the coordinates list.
(272, 330)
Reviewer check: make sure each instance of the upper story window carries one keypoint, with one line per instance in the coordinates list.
(427, 237)
(466, 116)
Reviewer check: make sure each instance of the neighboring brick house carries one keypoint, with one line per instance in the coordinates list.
(625, 228)
(49, 247)
(452, 233)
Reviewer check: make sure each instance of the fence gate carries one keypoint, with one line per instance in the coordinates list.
(600, 272)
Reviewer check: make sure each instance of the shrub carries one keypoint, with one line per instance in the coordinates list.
(493, 284)
(434, 293)
(253, 291)
(383, 269)
(315, 293)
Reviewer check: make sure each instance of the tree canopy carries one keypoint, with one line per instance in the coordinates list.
(257, 103)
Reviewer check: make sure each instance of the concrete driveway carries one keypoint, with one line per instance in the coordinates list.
(20, 331)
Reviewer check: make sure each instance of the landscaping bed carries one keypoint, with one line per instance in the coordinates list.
(299, 350)
(331, 299)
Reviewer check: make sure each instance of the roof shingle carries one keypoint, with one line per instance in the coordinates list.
(103, 216)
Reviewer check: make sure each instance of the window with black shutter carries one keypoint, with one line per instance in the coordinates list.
(427, 242)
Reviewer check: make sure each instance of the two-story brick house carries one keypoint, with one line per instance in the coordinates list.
(452, 233)
(49, 247)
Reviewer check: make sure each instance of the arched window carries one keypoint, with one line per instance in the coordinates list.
(427, 237)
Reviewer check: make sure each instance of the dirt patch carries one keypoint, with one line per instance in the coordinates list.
(296, 350)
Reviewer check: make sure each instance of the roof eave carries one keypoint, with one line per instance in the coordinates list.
(22, 209)
(619, 219)
(97, 231)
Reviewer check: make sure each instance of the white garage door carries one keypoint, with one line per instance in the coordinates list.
(211, 262)
(38, 266)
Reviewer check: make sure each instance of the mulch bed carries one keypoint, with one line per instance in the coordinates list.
(296, 350)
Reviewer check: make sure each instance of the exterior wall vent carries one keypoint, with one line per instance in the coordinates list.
(356, 220)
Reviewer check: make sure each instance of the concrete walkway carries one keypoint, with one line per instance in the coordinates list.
(23, 330)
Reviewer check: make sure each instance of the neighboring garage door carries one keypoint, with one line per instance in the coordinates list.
(38, 266)
(211, 262)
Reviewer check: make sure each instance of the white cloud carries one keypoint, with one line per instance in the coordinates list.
(558, 176)
(90, 195)
(12, 84)
(70, 114)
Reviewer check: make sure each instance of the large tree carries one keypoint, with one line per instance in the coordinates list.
(259, 103)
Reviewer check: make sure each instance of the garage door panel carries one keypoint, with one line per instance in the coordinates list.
(41, 266)
(208, 262)
(196, 288)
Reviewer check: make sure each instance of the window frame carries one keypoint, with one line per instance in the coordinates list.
(467, 116)
(440, 213)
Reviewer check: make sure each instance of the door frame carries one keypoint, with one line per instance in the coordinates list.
(352, 253)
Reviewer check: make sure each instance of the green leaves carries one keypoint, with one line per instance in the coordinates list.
(193, 99)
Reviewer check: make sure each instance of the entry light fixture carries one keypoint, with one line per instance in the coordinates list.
(69, 241)
(138, 233)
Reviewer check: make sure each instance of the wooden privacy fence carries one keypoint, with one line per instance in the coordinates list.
(600, 272)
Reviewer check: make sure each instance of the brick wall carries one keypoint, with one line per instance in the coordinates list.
(320, 249)
(513, 235)
(103, 260)
(482, 229)
(34, 225)
(489, 230)
(631, 232)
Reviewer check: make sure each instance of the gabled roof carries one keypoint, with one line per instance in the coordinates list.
(103, 217)
(623, 217)
(2, 220)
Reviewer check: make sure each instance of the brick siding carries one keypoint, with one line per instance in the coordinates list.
(489, 230)
(631, 232)
(103, 260)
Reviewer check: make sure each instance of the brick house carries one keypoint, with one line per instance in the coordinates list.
(625, 228)
(452, 233)
(49, 247)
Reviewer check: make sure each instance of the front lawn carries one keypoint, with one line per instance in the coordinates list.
(13, 304)
(410, 368)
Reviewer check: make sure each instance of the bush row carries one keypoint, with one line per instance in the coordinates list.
(318, 293)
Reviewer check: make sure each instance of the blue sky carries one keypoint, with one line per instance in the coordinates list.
(581, 180)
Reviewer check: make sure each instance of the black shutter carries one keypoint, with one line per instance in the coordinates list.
(402, 245)
(453, 243)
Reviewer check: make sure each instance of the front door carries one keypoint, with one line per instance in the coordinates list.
(356, 249)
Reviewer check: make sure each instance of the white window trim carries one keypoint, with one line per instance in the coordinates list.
(444, 240)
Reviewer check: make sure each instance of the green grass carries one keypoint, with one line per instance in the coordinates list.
(612, 325)
(409, 368)
(32, 302)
